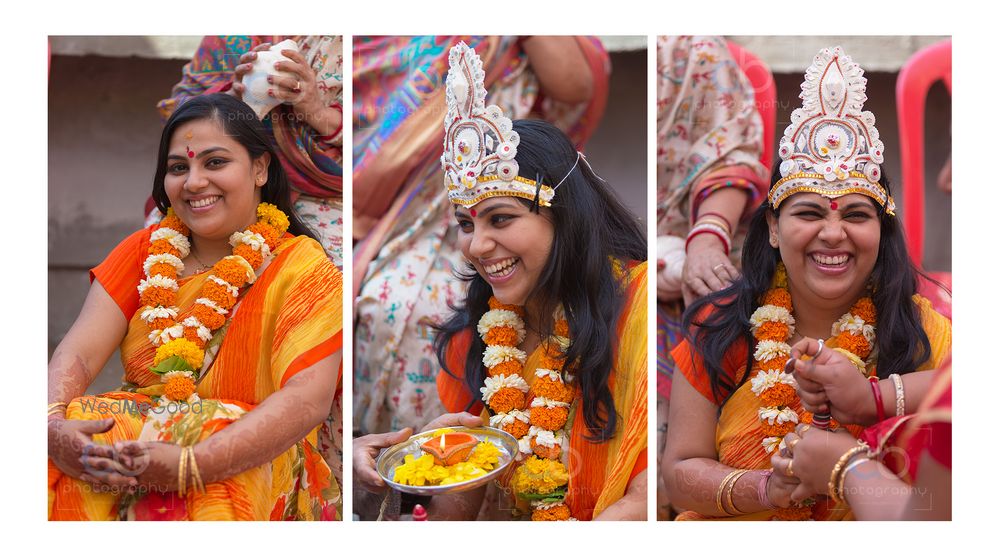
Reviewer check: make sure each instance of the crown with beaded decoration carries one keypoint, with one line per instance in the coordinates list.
(832, 147)
(479, 141)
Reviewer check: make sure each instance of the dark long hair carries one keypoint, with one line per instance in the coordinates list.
(239, 122)
(901, 342)
(592, 227)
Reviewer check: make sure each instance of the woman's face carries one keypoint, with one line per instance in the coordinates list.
(507, 244)
(829, 253)
(211, 182)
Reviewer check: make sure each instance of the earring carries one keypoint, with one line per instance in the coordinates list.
(774, 241)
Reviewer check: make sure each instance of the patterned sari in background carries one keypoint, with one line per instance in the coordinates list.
(406, 257)
(738, 437)
(288, 320)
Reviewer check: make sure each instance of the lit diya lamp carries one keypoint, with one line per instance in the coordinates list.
(450, 448)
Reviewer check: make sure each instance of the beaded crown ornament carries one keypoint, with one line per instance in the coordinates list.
(831, 146)
(479, 141)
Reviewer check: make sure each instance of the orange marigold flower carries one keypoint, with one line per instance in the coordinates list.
(164, 269)
(161, 323)
(778, 297)
(562, 328)
(776, 430)
(510, 367)
(191, 334)
(507, 399)
(253, 257)
(865, 309)
(793, 513)
(156, 296)
(208, 316)
(218, 294)
(163, 246)
(772, 364)
(555, 513)
(517, 428)
(541, 451)
(857, 344)
(268, 232)
(173, 221)
(231, 272)
(779, 395)
(496, 304)
(549, 418)
(553, 390)
(546, 362)
(503, 335)
(179, 388)
(772, 330)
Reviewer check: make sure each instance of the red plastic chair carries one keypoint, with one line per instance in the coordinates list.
(923, 69)
(765, 96)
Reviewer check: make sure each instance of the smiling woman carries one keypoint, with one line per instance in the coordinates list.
(227, 314)
(549, 343)
(824, 258)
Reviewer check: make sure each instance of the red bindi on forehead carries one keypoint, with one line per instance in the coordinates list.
(833, 205)
(472, 212)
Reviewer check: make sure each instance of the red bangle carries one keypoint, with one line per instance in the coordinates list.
(879, 407)
(720, 215)
(723, 239)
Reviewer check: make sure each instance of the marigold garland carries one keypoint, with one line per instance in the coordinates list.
(539, 430)
(181, 338)
(773, 327)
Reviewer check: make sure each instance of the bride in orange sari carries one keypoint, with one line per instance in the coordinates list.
(824, 258)
(228, 316)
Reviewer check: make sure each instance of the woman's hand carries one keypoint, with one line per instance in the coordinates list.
(129, 465)
(814, 452)
(244, 67)
(366, 450)
(458, 419)
(69, 440)
(707, 268)
(781, 485)
(831, 383)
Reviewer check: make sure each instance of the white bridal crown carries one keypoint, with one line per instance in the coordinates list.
(832, 146)
(479, 141)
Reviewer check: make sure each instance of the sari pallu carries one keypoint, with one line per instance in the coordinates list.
(738, 435)
(600, 473)
(313, 163)
(405, 265)
(288, 320)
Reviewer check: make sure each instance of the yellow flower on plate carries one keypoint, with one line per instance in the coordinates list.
(486, 455)
(461, 472)
(419, 471)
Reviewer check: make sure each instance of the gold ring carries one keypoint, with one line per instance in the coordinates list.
(716, 268)
(297, 86)
(805, 428)
(788, 469)
(791, 445)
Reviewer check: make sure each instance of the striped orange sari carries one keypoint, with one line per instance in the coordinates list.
(599, 472)
(738, 436)
(288, 320)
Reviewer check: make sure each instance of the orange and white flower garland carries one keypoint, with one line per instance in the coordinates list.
(181, 338)
(535, 416)
(773, 326)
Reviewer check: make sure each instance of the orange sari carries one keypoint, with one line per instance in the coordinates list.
(288, 320)
(738, 436)
(600, 473)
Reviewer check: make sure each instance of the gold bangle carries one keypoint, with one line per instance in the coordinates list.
(716, 222)
(198, 484)
(729, 492)
(838, 468)
(722, 487)
(843, 475)
(182, 473)
(900, 394)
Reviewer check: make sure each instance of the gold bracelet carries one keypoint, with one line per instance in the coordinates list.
(182, 473)
(58, 407)
(900, 394)
(716, 222)
(718, 494)
(838, 468)
(729, 491)
(843, 475)
(198, 484)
